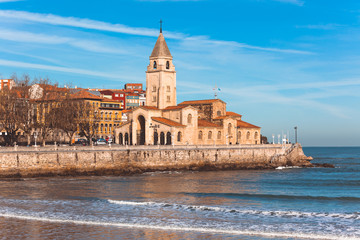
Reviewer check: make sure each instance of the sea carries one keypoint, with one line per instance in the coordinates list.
(284, 203)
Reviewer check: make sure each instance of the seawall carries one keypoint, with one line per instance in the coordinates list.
(120, 160)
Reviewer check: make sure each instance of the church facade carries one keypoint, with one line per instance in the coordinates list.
(164, 122)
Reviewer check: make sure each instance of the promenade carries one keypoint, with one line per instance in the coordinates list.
(117, 147)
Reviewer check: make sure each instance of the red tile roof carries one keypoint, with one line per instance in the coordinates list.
(243, 124)
(167, 122)
(199, 101)
(83, 94)
(174, 107)
(204, 123)
(149, 107)
(233, 114)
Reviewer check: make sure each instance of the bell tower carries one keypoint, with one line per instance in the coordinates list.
(161, 76)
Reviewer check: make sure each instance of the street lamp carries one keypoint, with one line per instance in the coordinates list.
(155, 127)
(295, 134)
(35, 136)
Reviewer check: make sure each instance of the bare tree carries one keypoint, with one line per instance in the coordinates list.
(15, 109)
(67, 117)
(88, 121)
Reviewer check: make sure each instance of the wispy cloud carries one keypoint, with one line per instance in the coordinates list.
(18, 64)
(119, 28)
(328, 26)
(4, 1)
(169, 0)
(82, 23)
(296, 2)
(21, 36)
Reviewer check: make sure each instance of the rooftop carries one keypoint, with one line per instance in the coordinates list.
(207, 101)
(204, 123)
(161, 49)
(167, 122)
(243, 124)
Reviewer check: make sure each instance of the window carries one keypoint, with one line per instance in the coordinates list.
(167, 98)
(218, 113)
(154, 88)
(168, 88)
(116, 95)
(200, 135)
(256, 135)
(189, 119)
(229, 128)
(121, 95)
(239, 136)
(219, 135)
(210, 135)
(179, 137)
(167, 65)
(154, 99)
(248, 135)
(155, 65)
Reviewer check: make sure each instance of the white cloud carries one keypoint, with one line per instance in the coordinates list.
(328, 26)
(4, 1)
(120, 28)
(296, 2)
(18, 64)
(21, 36)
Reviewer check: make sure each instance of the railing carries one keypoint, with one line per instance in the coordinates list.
(107, 147)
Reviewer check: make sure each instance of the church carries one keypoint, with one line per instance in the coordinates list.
(164, 122)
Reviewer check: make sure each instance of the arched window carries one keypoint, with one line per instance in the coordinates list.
(248, 135)
(155, 65)
(167, 65)
(106, 128)
(229, 128)
(218, 113)
(179, 137)
(116, 116)
(110, 115)
(219, 135)
(256, 135)
(239, 136)
(102, 115)
(210, 135)
(200, 135)
(189, 120)
(101, 128)
(110, 128)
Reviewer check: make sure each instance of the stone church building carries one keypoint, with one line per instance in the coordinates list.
(164, 122)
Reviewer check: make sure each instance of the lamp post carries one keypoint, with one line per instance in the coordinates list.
(155, 127)
(295, 134)
(35, 136)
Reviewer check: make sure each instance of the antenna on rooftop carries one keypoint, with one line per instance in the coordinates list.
(216, 89)
(161, 22)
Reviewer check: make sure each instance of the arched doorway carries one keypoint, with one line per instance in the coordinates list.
(156, 138)
(126, 139)
(121, 140)
(162, 138)
(140, 133)
(168, 138)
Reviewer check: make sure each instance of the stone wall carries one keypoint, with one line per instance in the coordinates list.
(123, 160)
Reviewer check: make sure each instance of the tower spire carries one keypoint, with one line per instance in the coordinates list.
(161, 22)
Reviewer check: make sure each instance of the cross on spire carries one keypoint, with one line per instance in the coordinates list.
(161, 22)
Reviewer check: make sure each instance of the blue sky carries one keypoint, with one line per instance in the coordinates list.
(279, 63)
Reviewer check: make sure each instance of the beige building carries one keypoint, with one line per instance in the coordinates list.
(162, 121)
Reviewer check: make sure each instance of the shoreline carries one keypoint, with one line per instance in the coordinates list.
(55, 161)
